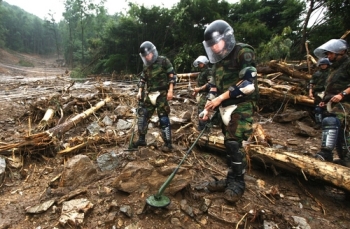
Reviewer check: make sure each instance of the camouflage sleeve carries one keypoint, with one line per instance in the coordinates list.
(169, 67)
(142, 81)
(246, 57)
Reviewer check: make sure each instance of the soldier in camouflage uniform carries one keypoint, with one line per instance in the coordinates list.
(316, 88)
(235, 77)
(159, 76)
(337, 102)
(203, 88)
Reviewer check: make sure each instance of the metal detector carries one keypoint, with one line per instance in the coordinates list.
(130, 148)
(159, 200)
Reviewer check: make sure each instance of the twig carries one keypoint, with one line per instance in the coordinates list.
(264, 195)
(241, 220)
(183, 127)
(312, 197)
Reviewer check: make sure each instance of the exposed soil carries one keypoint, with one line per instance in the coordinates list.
(271, 200)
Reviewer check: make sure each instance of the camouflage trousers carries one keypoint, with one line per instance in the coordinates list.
(202, 101)
(240, 127)
(342, 112)
(162, 107)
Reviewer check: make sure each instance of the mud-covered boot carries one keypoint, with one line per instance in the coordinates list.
(167, 147)
(140, 142)
(235, 188)
(217, 185)
(324, 155)
(235, 176)
(344, 160)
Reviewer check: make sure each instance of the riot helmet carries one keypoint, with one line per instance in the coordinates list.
(148, 53)
(201, 59)
(334, 45)
(219, 40)
(323, 61)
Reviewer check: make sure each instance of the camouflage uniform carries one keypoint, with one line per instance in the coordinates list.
(318, 82)
(202, 80)
(338, 81)
(226, 75)
(239, 128)
(156, 77)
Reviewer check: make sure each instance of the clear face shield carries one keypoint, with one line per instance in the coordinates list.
(149, 57)
(334, 46)
(200, 59)
(219, 46)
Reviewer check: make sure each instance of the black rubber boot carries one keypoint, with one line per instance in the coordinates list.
(140, 142)
(217, 185)
(324, 155)
(167, 147)
(235, 176)
(235, 187)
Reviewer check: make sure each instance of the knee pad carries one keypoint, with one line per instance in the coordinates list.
(330, 130)
(164, 121)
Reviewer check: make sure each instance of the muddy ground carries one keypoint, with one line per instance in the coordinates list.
(274, 198)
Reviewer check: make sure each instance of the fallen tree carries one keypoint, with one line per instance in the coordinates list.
(44, 139)
(293, 162)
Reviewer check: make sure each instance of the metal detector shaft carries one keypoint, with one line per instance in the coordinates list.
(167, 182)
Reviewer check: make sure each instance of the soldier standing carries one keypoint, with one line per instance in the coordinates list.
(337, 101)
(201, 92)
(159, 76)
(235, 77)
(316, 88)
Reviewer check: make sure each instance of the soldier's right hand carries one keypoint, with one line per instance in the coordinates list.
(139, 96)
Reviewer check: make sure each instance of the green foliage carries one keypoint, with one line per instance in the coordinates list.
(77, 74)
(97, 42)
(278, 47)
(25, 63)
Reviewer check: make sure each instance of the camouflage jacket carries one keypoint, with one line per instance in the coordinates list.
(226, 72)
(338, 79)
(156, 76)
(318, 80)
(202, 78)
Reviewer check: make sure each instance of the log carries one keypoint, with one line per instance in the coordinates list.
(46, 138)
(285, 95)
(304, 165)
(291, 72)
(297, 163)
(64, 127)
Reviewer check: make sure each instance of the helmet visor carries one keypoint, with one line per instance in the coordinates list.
(150, 57)
(333, 45)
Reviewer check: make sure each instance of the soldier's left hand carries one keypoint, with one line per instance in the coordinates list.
(170, 95)
(210, 105)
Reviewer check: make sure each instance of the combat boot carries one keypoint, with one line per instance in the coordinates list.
(235, 176)
(344, 160)
(140, 142)
(217, 185)
(167, 147)
(235, 187)
(324, 155)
